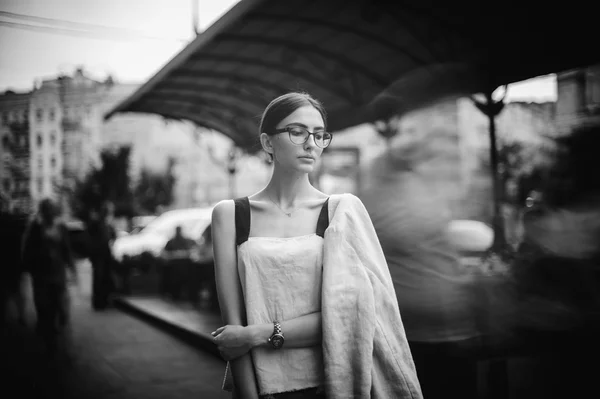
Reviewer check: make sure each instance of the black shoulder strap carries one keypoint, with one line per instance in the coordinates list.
(242, 219)
(323, 222)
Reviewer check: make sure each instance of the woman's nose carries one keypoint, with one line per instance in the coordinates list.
(310, 141)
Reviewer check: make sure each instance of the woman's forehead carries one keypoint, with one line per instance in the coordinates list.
(308, 116)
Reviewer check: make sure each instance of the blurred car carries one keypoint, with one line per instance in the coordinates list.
(152, 239)
(139, 222)
(471, 238)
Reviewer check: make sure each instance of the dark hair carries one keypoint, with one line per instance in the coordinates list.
(283, 106)
(45, 205)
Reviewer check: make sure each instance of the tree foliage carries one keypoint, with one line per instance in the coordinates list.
(155, 189)
(109, 182)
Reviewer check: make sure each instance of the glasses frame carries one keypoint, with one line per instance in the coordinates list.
(288, 128)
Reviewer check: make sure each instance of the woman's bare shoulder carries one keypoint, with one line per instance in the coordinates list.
(223, 211)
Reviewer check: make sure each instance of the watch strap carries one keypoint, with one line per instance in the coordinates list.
(277, 328)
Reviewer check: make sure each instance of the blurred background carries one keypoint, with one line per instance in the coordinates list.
(470, 136)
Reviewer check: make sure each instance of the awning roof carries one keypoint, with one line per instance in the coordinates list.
(365, 59)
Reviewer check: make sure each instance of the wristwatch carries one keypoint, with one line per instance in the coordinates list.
(276, 339)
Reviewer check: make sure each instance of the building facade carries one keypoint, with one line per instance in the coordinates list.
(52, 136)
(578, 98)
(65, 120)
(15, 150)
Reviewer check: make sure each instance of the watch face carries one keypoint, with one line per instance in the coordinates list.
(277, 341)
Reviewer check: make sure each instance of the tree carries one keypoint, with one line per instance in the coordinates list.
(574, 177)
(524, 164)
(109, 182)
(155, 189)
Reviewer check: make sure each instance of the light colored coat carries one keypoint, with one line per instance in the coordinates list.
(365, 351)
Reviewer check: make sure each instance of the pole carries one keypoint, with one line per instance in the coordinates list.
(232, 169)
(195, 21)
(499, 231)
(491, 109)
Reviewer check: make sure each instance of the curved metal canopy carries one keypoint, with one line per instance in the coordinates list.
(364, 59)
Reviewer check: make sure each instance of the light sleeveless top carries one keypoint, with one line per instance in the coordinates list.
(281, 280)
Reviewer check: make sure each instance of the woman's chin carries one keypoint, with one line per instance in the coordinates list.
(305, 168)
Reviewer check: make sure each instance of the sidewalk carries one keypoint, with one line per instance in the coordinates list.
(181, 319)
(106, 355)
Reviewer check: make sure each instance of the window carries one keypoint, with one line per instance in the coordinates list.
(5, 117)
(52, 114)
(40, 185)
(593, 89)
(39, 114)
(23, 141)
(53, 138)
(6, 184)
(40, 164)
(5, 141)
(40, 140)
(53, 163)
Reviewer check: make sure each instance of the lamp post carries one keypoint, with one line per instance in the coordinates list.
(491, 109)
(232, 169)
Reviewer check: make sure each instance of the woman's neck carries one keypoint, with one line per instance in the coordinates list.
(286, 189)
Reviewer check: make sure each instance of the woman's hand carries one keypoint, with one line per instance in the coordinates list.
(232, 341)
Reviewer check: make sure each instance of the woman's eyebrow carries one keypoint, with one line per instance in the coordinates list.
(304, 126)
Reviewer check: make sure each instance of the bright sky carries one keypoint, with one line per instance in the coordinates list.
(26, 55)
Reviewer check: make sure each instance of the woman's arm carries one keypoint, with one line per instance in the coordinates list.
(229, 291)
(300, 332)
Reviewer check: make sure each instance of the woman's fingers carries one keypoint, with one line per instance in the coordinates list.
(218, 331)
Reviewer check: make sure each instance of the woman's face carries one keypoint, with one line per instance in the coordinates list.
(292, 156)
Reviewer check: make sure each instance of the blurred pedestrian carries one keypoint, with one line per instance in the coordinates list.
(406, 195)
(47, 257)
(12, 227)
(101, 235)
(177, 256)
(307, 300)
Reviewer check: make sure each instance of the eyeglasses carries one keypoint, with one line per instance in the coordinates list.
(299, 135)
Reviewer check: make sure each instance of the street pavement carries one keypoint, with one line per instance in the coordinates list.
(105, 355)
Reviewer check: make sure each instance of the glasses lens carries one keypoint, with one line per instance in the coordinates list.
(298, 135)
(325, 139)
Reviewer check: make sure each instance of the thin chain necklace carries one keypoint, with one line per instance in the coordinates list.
(289, 213)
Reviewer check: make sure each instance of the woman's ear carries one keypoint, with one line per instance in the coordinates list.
(265, 141)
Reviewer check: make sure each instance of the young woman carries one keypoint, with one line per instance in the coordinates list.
(288, 320)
